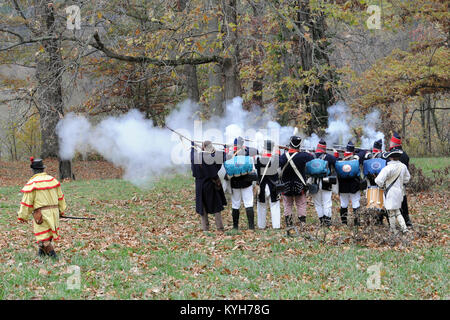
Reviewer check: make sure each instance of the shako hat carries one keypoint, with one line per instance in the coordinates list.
(295, 142)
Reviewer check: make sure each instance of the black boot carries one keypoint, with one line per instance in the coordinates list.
(288, 220)
(250, 218)
(379, 219)
(356, 219)
(343, 213)
(405, 216)
(326, 221)
(41, 253)
(235, 214)
(302, 219)
(321, 221)
(52, 254)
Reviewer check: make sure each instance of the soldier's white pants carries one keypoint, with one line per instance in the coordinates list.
(245, 195)
(347, 197)
(261, 210)
(322, 203)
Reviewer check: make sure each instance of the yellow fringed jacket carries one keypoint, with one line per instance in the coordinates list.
(40, 191)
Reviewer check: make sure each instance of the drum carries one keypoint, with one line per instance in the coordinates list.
(374, 197)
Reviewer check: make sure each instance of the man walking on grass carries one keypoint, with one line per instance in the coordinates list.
(42, 200)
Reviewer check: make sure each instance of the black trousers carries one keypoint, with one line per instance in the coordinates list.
(404, 211)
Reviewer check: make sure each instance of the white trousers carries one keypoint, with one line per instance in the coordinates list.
(322, 203)
(261, 211)
(245, 195)
(395, 215)
(347, 197)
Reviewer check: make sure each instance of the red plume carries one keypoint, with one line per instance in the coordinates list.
(31, 159)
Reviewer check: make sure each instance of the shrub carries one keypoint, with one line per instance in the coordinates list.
(420, 182)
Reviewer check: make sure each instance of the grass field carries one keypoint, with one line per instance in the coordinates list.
(428, 164)
(147, 244)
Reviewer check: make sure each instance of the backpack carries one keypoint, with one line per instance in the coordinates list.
(238, 165)
(318, 168)
(347, 168)
(373, 166)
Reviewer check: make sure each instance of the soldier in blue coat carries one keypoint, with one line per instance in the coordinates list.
(242, 186)
(295, 180)
(349, 188)
(322, 199)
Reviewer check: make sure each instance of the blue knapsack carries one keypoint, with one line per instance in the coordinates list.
(373, 166)
(318, 168)
(347, 168)
(238, 165)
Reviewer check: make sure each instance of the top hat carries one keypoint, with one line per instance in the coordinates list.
(37, 163)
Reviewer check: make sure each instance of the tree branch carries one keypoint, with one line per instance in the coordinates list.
(161, 63)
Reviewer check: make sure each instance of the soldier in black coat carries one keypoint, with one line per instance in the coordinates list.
(295, 187)
(242, 186)
(267, 170)
(396, 144)
(349, 188)
(209, 195)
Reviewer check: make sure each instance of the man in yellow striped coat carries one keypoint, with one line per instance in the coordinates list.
(43, 201)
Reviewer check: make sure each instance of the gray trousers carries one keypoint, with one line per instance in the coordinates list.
(218, 219)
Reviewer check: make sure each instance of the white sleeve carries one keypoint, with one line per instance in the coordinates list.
(406, 176)
(381, 178)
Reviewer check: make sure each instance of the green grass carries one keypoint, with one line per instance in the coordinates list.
(428, 164)
(147, 244)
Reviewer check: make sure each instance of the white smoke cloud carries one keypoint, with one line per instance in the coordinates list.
(146, 152)
(370, 134)
(341, 121)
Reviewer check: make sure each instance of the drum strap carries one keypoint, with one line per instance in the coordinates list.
(390, 186)
(293, 167)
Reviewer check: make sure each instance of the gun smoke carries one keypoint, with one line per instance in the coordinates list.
(146, 152)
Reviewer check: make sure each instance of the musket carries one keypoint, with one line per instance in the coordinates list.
(80, 218)
(195, 141)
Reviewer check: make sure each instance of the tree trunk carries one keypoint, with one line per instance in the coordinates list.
(192, 82)
(65, 170)
(318, 97)
(403, 121)
(257, 86)
(215, 72)
(49, 71)
(231, 65)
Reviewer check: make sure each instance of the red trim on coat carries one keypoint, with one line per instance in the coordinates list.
(346, 154)
(45, 188)
(57, 238)
(42, 232)
(375, 150)
(27, 205)
(293, 150)
(40, 181)
(20, 219)
(59, 199)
